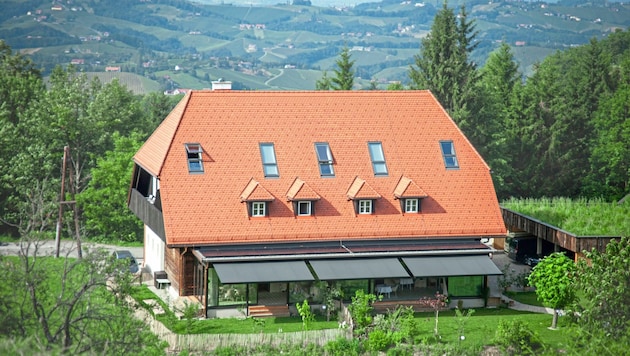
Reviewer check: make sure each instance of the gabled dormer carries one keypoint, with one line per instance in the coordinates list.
(410, 196)
(302, 197)
(257, 199)
(362, 196)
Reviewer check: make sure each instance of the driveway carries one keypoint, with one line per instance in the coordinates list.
(68, 248)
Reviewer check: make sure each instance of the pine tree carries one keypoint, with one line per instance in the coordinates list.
(344, 74)
(442, 65)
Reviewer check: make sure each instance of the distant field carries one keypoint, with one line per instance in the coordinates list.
(136, 83)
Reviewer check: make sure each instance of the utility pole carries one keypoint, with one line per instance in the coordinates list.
(62, 202)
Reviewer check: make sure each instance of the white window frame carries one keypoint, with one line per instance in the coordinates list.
(309, 207)
(365, 207)
(412, 205)
(259, 209)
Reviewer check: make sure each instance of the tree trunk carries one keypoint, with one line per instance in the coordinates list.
(554, 321)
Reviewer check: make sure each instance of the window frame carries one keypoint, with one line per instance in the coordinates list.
(324, 161)
(194, 156)
(270, 164)
(378, 161)
(260, 211)
(412, 205)
(450, 158)
(298, 210)
(362, 204)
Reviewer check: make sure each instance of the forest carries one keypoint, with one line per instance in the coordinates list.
(561, 132)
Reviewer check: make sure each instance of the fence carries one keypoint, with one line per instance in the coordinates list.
(209, 342)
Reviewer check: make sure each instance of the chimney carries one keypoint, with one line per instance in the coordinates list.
(221, 84)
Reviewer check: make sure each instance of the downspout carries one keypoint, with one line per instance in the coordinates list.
(205, 290)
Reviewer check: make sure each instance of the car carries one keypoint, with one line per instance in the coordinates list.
(126, 254)
(531, 261)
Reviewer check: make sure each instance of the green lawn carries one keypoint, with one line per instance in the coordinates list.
(479, 329)
(529, 298)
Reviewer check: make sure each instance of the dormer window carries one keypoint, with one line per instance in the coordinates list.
(365, 207)
(411, 205)
(378, 158)
(448, 152)
(193, 153)
(304, 208)
(325, 159)
(268, 156)
(259, 208)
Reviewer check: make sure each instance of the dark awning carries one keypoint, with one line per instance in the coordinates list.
(432, 266)
(358, 268)
(257, 272)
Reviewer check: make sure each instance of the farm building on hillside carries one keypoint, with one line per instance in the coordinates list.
(257, 198)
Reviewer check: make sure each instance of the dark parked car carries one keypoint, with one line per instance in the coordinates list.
(531, 261)
(125, 254)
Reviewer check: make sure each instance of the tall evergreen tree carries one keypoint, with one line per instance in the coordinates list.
(442, 65)
(344, 74)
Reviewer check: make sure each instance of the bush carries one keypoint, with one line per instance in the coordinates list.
(516, 338)
(378, 340)
(342, 347)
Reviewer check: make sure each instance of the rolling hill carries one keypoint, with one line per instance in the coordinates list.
(177, 43)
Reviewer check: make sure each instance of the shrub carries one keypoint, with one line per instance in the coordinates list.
(378, 340)
(516, 338)
(342, 347)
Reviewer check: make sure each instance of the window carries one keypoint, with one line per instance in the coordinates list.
(365, 207)
(259, 208)
(411, 205)
(268, 155)
(325, 159)
(304, 208)
(193, 152)
(448, 151)
(378, 158)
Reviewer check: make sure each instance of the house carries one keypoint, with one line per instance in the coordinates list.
(258, 197)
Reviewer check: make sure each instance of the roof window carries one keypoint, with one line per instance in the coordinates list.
(324, 157)
(193, 152)
(448, 152)
(378, 158)
(268, 156)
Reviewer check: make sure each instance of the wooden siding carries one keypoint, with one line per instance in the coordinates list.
(172, 266)
(516, 221)
(150, 215)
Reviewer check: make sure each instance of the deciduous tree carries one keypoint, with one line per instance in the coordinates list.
(553, 277)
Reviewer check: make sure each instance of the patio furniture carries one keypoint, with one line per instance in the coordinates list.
(395, 289)
(406, 282)
(384, 289)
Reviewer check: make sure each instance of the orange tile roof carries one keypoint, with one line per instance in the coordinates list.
(359, 189)
(406, 188)
(208, 208)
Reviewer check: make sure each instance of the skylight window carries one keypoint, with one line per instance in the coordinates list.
(325, 159)
(268, 155)
(193, 153)
(448, 152)
(378, 158)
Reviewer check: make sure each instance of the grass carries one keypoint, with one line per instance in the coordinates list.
(582, 217)
(529, 298)
(479, 329)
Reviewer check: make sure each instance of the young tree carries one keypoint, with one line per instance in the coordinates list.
(344, 74)
(104, 201)
(553, 277)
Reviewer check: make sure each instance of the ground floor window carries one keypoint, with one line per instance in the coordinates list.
(469, 286)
